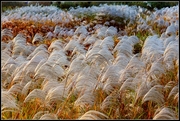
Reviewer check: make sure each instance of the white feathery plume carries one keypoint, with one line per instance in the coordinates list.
(5, 56)
(90, 40)
(107, 42)
(111, 101)
(49, 70)
(169, 86)
(104, 55)
(134, 39)
(36, 93)
(152, 49)
(32, 64)
(173, 91)
(156, 70)
(71, 45)
(111, 31)
(56, 45)
(55, 55)
(57, 29)
(171, 29)
(111, 72)
(28, 87)
(93, 50)
(58, 70)
(171, 54)
(81, 38)
(135, 64)
(38, 38)
(46, 86)
(132, 69)
(142, 89)
(9, 61)
(37, 49)
(110, 85)
(20, 60)
(101, 32)
(40, 64)
(85, 99)
(77, 64)
(89, 85)
(81, 30)
(6, 32)
(19, 39)
(49, 35)
(3, 45)
(49, 117)
(155, 95)
(18, 73)
(19, 49)
(8, 101)
(56, 94)
(93, 115)
(165, 114)
(15, 89)
(63, 61)
(18, 76)
(38, 115)
(19, 45)
(128, 84)
(124, 48)
(169, 39)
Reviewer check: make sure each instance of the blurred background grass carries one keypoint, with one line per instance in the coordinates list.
(6, 5)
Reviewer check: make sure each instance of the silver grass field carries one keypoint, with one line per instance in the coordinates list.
(85, 64)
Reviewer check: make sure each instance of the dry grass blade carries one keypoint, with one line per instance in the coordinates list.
(155, 95)
(36, 93)
(165, 114)
(93, 115)
(176, 98)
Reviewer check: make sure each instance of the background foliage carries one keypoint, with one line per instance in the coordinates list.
(67, 5)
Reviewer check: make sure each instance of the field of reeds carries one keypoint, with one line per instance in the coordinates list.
(97, 62)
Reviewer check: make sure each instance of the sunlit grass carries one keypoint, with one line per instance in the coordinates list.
(115, 104)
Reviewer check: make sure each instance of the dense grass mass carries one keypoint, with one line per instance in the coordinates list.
(88, 60)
